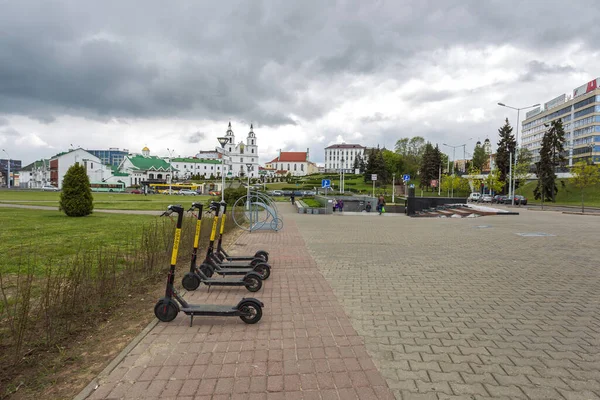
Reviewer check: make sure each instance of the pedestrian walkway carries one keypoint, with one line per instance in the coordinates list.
(303, 348)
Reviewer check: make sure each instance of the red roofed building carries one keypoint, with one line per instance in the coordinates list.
(296, 163)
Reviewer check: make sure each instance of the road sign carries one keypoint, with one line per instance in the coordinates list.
(412, 186)
(325, 183)
(406, 177)
(373, 177)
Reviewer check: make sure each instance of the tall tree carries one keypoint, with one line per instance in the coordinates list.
(479, 157)
(428, 170)
(584, 175)
(551, 155)
(369, 167)
(394, 163)
(402, 146)
(506, 146)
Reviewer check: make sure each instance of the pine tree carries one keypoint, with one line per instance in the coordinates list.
(546, 186)
(506, 146)
(356, 164)
(76, 197)
(429, 166)
(479, 157)
(369, 166)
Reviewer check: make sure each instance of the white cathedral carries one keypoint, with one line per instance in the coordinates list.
(239, 155)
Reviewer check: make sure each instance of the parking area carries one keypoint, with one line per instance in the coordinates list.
(490, 307)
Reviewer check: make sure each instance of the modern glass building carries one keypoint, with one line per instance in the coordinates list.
(580, 114)
(112, 156)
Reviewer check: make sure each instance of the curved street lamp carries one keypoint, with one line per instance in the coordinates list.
(223, 141)
(512, 189)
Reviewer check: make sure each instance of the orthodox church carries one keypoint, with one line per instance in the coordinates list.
(238, 156)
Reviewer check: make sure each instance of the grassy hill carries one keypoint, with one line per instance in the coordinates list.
(567, 194)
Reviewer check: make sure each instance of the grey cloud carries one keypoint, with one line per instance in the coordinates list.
(248, 60)
(196, 137)
(9, 132)
(539, 69)
(4, 121)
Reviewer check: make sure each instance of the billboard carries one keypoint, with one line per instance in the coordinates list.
(588, 87)
(557, 101)
(532, 113)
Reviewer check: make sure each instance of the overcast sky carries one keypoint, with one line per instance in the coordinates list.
(308, 74)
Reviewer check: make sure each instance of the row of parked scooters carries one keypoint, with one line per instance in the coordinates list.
(248, 271)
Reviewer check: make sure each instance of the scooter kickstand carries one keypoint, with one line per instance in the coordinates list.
(191, 319)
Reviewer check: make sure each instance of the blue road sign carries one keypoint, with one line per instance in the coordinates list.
(406, 177)
(325, 183)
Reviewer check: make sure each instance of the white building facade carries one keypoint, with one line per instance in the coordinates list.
(185, 168)
(340, 157)
(238, 155)
(60, 164)
(35, 175)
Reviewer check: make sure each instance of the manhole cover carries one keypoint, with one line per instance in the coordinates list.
(483, 226)
(532, 234)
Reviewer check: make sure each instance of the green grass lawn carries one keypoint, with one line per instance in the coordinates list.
(568, 195)
(354, 183)
(110, 201)
(51, 234)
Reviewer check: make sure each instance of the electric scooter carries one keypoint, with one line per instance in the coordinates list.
(166, 309)
(193, 279)
(222, 255)
(210, 265)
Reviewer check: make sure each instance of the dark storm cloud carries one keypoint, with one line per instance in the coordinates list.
(539, 69)
(247, 60)
(195, 137)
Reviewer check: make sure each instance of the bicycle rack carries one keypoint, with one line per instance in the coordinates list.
(259, 211)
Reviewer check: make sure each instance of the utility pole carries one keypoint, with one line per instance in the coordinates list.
(8, 170)
(393, 186)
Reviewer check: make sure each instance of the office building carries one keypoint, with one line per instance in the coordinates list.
(580, 114)
(334, 155)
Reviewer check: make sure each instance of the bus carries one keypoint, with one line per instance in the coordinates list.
(175, 187)
(107, 187)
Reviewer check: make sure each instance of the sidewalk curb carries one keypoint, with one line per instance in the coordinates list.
(89, 389)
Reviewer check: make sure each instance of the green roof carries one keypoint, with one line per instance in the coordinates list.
(149, 162)
(197, 160)
(116, 172)
(35, 164)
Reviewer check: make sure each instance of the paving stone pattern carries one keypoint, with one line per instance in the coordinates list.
(452, 311)
(303, 348)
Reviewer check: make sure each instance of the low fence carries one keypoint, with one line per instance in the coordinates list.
(416, 204)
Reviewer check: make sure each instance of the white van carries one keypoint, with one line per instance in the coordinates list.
(474, 197)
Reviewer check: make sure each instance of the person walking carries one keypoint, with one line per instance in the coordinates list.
(293, 198)
(380, 204)
(341, 205)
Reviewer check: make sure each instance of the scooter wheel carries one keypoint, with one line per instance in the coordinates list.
(263, 270)
(165, 311)
(190, 281)
(207, 269)
(256, 261)
(253, 284)
(262, 254)
(252, 313)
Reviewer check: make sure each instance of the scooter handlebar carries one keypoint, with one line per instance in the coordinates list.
(195, 206)
(173, 209)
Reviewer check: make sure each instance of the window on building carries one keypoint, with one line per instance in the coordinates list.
(301, 167)
(288, 167)
(295, 165)
(241, 159)
(252, 151)
(150, 176)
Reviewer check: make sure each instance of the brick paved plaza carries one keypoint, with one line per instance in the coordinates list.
(416, 308)
(448, 307)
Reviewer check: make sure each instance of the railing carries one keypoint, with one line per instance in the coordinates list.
(259, 211)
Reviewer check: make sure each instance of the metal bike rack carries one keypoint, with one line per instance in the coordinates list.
(260, 213)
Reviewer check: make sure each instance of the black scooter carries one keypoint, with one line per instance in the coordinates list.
(191, 280)
(222, 255)
(166, 309)
(210, 265)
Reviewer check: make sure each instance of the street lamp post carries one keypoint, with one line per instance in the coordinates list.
(171, 151)
(342, 175)
(223, 141)
(393, 187)
(248, 168)
(453, 161)
(8, 170)
(512, 189)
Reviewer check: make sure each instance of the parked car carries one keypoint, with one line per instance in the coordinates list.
(499, 198)
(486, 198)
(277, 193)
(214, 193)
(49, 188)
(474, 197)
(136, 191)
(519, 200)
(187, 192)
